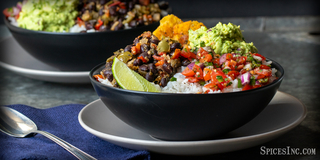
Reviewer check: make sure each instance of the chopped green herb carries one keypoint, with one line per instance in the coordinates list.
(173, 79)
(208, 63)
(226, 71)
(229, 84)
(202, 44)
(264, 80)
(249, 58)
(201, 82)
(239, 83)
(219, 78)
(252, 80)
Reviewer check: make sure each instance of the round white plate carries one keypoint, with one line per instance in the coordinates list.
(282, 114)
(16, 59)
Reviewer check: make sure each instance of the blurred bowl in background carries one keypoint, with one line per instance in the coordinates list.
(74, 51)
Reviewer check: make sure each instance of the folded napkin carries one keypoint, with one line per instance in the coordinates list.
(61, 121)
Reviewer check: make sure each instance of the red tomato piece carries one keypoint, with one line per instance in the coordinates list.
(157, 57)
(206, 58)
(207, 74)
(247, 87)
(198, 72)
(188, 72)
(233, 74)
(192, 79)
(176, 53)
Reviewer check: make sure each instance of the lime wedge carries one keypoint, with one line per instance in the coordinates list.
(129, 79)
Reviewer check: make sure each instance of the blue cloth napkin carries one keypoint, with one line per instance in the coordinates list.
(61, 121)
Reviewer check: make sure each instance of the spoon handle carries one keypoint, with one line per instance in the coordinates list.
(72, 149)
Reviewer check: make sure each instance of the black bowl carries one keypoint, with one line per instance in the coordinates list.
(74, 51)
(170, 116)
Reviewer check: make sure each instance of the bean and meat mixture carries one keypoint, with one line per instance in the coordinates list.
(103, 15)
(155, 60)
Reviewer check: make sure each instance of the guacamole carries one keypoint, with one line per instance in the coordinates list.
(48, 15)
(223, 38)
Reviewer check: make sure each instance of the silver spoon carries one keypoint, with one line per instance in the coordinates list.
(16, 124)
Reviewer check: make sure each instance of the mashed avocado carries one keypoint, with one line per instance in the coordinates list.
(48, 15)
(223, 38)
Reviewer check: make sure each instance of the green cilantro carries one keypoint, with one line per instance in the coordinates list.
(202, 44)
(226, 71)
(219, 78)
(239, 83)
(173, 79)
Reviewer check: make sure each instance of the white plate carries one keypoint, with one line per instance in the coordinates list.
(282, 114)
(16, 59)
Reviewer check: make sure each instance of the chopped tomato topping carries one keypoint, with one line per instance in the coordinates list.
(247, 87)
(233, 74)
(176, 53)
(188, 72)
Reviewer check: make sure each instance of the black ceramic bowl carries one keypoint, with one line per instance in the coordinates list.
(74, 51)
(170, 116)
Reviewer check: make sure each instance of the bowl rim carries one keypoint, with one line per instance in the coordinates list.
(275, 82)
(19, 29)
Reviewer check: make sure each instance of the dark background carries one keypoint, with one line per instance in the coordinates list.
(230, 8)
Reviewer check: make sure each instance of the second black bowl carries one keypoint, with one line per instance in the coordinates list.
(75, 51)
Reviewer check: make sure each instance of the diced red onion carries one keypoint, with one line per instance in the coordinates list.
(190, 66)
(257, 58)
(257, 83)
(19, 5)
(16, 11)
(245, 78)
(223, 59)
(201, 65)
(239, 49)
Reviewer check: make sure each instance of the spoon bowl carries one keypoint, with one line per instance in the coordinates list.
(16, 124)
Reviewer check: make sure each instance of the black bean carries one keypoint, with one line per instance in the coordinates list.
(133, 23)
(128, 48)
(92, 6)
(137, 62)
(167, 68)
(174, 46)
(102, 28)
(139, 22)
(122, 11)
(113, 10)
(144, 68)
(102, 2)
(163, 5)
(89, 25)
(130, 5)
(154, 40)
(185, 62)
(144, 48)
(152, 68)
(163, 81)
(146, 56)
(83, 31)
(153, 1)
(109, 77)
(119, 26)
(149, 77)
(136, 41)
(101, 12)
(153, 51)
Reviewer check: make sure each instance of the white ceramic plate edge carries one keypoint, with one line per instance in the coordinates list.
(51, 76)
(192, 147)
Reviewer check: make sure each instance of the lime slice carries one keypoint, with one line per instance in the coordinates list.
(129, 79)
